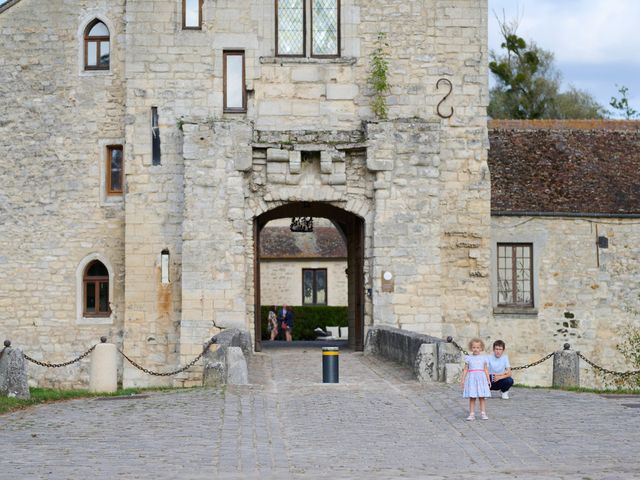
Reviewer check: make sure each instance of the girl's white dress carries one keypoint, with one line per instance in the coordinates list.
(476, 385)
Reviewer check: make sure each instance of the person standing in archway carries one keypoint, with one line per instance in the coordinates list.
(272, 326)
(285, 317)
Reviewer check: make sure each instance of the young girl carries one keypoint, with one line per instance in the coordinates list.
(475, 378)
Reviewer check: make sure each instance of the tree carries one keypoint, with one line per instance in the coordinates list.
(623, 104)
(528, 83)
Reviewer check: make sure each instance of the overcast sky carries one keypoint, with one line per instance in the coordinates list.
(596, 42)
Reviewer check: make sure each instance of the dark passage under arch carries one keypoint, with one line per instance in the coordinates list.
(351, 227)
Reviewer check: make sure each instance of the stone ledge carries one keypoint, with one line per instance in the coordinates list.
(431, 358)
(308, 60)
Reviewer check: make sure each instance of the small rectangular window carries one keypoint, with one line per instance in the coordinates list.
(515, 275)
(155, 137)
(192, 14)
(235, 93)
(314, 286)
(290, 28)
(115, 170)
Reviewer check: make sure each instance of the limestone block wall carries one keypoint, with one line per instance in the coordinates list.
(582, 293)
(281, 281)
(55, 122)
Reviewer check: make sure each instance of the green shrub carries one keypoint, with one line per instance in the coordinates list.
(308, 318)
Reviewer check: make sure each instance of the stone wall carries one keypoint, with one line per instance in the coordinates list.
(281, 281)
(419, 181)
(582, 293)
(55, 123)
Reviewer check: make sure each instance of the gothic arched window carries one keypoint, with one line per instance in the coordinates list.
(96, 46)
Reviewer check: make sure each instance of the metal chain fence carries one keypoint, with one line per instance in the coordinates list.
(58, 365)
(522, 367)
(175, 372)
(132, 362)
(624, 375)
(597, 367)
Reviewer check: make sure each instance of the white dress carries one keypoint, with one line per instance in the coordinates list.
(476, 384)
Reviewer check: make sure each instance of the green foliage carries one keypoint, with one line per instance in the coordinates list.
(528, 84)
(308, 318)
(378, 77)
(623, 104)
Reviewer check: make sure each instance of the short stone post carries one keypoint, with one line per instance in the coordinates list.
(13, 373)
(104, 368)
(566, 368)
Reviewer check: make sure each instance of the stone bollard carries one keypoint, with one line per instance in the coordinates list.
(566, 368)
(13, 373)
(104, 368)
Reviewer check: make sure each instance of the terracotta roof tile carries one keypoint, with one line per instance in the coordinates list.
(565, 167)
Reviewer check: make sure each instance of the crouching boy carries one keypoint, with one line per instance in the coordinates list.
(500, 370)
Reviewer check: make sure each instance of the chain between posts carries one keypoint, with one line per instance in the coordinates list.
(132, 362)
(175, 372)
(57, 365)
(630, 373)
(522, 367)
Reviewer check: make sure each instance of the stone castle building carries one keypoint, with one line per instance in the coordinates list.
(146, 143)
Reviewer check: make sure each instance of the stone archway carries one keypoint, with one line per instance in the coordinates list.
(352, 228)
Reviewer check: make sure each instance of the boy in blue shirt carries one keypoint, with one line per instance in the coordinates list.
(500, 369)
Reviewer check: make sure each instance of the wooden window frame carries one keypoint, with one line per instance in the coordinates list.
(97, 41)
(304, 33)
(184, 16)
(225, 54)
(315, 287)
(110, 190)
(514, 276)
(337, 54)
(97, 280)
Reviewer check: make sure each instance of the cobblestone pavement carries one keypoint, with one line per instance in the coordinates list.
(377, 423)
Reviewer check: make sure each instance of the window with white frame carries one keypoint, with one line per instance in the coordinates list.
(323, 18)
(515, 274)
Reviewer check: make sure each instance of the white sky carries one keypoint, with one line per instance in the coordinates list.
(596, 42)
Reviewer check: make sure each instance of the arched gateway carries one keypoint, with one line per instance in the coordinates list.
(352, 229)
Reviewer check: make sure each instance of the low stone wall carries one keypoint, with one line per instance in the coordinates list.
(432, 359)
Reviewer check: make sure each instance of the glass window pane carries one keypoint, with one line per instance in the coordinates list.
(90, 296)
(104, 297)
(116, 170)
(321, 286)
(92, 54)
(325, 27)
(192, 13)
(104, 53)
(290, 27)
(99, 30)
(307, 287)
(234, 82)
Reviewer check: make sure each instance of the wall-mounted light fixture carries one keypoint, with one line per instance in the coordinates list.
(164, 266)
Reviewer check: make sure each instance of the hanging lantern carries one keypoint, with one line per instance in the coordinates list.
(301, 224)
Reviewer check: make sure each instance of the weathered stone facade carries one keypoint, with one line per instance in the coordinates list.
(419, 182)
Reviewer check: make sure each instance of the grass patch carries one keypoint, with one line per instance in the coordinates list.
(48, 395)
(608, 391)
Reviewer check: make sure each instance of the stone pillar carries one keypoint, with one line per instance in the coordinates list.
(13, 373)
(104, 368)
(426, 363)
(566, 368)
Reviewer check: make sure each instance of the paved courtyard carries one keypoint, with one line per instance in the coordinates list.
(377, 423)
